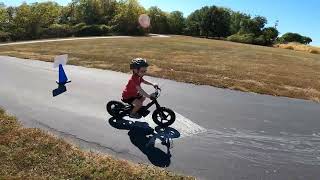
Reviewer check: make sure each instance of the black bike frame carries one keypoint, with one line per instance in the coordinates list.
(155, 101)
(152, 103)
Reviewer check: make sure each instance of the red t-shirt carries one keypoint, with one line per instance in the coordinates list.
(131, 88)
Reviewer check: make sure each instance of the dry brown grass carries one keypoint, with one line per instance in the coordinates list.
(299, 47)
(27, 153)
(264, 70)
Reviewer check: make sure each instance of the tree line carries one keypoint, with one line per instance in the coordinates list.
(112, 17)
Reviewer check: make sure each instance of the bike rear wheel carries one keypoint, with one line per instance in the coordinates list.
(163, 117)
(114, 108)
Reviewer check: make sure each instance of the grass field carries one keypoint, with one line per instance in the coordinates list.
(265, 70)
(27, 153)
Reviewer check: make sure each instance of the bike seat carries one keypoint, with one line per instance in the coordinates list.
(126, 103)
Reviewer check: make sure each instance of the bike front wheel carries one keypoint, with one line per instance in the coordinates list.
(163, 117)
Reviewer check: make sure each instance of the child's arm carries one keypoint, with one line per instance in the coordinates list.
(142, 92)
(149, 83)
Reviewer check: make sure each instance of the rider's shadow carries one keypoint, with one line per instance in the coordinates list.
(144, 137)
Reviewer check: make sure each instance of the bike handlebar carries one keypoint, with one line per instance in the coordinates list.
(157, 93)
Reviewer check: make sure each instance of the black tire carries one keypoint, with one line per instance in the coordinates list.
(114, 108)
(161, 121)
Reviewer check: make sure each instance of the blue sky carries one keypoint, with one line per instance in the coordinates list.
(294, 15)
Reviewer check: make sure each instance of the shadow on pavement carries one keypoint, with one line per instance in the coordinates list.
(144, 137)
(61, 89)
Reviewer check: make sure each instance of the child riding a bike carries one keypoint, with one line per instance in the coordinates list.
(133, 93)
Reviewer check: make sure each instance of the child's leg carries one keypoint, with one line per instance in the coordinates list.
(137, 105)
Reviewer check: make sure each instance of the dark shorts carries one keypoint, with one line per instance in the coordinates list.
(130, 100)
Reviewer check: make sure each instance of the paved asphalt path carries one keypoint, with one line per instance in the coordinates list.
(77, 38)
(219, 134)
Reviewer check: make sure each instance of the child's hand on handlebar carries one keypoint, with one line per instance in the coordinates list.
(152, 96)
(156, 86)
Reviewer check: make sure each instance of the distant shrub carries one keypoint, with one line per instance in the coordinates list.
(261, 40)
(91, 30)
(242, 38)
(248, 39)
(18, 34)
(105, 30)
(78, 27)
(4, 36)
(57, 30)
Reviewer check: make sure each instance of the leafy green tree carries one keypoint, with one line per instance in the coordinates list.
(270, 34)
(193, 23)
(4, 17)
(254, 25)
(71, 14)
(176, 22)
(209, 21)
(66, 15)
(30, 20)
(88, 11)
(306, 40)
(45, 14)
(259, 22)
(22, 22)
(205, 21)
(4, 24)
(158, 20)
(127, 15)
(109, 11)
(236, 21)
(220, 22)
(93, 11)
(101, 17)
(294, 37)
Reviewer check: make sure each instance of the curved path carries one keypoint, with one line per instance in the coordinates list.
(219, 134)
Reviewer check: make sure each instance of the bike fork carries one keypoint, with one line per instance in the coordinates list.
(163, 116)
